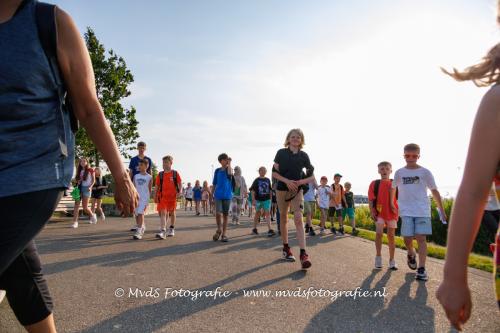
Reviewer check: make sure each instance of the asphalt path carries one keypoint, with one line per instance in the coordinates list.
(103, 281)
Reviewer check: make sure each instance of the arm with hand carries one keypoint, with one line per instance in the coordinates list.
(291, 184)
(482, 160)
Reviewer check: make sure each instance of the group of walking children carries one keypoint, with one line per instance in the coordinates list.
(404, 197)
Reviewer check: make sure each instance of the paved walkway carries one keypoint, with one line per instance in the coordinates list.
(85, 267)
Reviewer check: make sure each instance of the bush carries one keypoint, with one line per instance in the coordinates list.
(439, 230)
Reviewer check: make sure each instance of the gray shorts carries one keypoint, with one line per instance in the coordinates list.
(222, 206)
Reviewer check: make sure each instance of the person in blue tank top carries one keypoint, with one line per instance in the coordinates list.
(37, 148)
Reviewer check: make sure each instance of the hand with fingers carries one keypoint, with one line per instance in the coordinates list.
(126, 197)
(455, 298)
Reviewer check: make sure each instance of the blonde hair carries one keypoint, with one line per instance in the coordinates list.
(296, 131)
(485, 73)
(385, 163)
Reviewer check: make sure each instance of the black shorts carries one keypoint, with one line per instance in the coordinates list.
(96, 195)
(24, 215)
(189, 199)
(332, 211)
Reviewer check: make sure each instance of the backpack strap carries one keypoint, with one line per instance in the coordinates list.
(174, 177)
(45, 15)
(376, 188)
(161, 184)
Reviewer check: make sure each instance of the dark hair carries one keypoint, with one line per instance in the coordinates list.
(223, 156)
(412, 147)
(79, 170)
(145, 162)
(141, 144)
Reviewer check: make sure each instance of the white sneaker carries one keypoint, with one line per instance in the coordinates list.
(171, 232)
(103, 217)
(93, 219)
(161, 234)
(74, 225)
(139, 233)
(378, 262)
(392, 265)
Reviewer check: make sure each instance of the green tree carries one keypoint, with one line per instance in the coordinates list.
(112, 79)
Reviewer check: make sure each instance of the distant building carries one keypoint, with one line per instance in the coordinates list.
(360, 199)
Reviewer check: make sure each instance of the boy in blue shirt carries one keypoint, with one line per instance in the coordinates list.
(223, 194)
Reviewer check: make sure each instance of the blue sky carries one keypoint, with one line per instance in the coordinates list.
(361, 78)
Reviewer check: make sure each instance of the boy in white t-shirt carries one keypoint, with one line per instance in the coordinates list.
(143, 183)
(412, 182)
(324, 193)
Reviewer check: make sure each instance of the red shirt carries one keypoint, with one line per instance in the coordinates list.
(168, 190)
(383, 199)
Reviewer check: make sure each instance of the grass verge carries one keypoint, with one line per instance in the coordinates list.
(483, 263)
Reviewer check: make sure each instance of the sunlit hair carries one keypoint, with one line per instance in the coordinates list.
(412, 147)
(168, 158)
(297, 131)
(485, 73)
(384, 163)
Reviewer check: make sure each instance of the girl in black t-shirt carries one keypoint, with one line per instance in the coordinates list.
(288, 169)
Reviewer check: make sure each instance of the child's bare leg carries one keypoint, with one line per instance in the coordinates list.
(267, 215)
(99, 207)
(422, 249)
(224, 223)
(409, 245)
(93, 205)
(378, 238)
(299, 226)
(139, 220)
(172, 218)
(76, 211)
(85, 204)
(390, 237)
(256, 219)
(163, 220)
(218, 219)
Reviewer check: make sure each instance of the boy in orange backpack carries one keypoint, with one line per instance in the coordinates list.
(168, 185)
(379, 194)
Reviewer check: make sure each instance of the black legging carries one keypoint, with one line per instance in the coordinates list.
(23, 216)
(490, 221)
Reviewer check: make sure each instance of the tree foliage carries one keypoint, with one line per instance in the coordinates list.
(112, 79)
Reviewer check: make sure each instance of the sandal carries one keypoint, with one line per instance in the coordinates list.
(217, 235)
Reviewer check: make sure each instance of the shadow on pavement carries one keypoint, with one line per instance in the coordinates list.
(152, 317)
(403, 314)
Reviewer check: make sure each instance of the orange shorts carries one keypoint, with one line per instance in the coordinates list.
(169, 206)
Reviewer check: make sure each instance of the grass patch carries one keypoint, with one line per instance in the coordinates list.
(483, 263)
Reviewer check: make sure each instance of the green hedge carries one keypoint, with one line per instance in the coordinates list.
(439, 230)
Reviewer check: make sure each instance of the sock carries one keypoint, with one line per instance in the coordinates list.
(285, 246)
(302, 251)
(171, 227)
